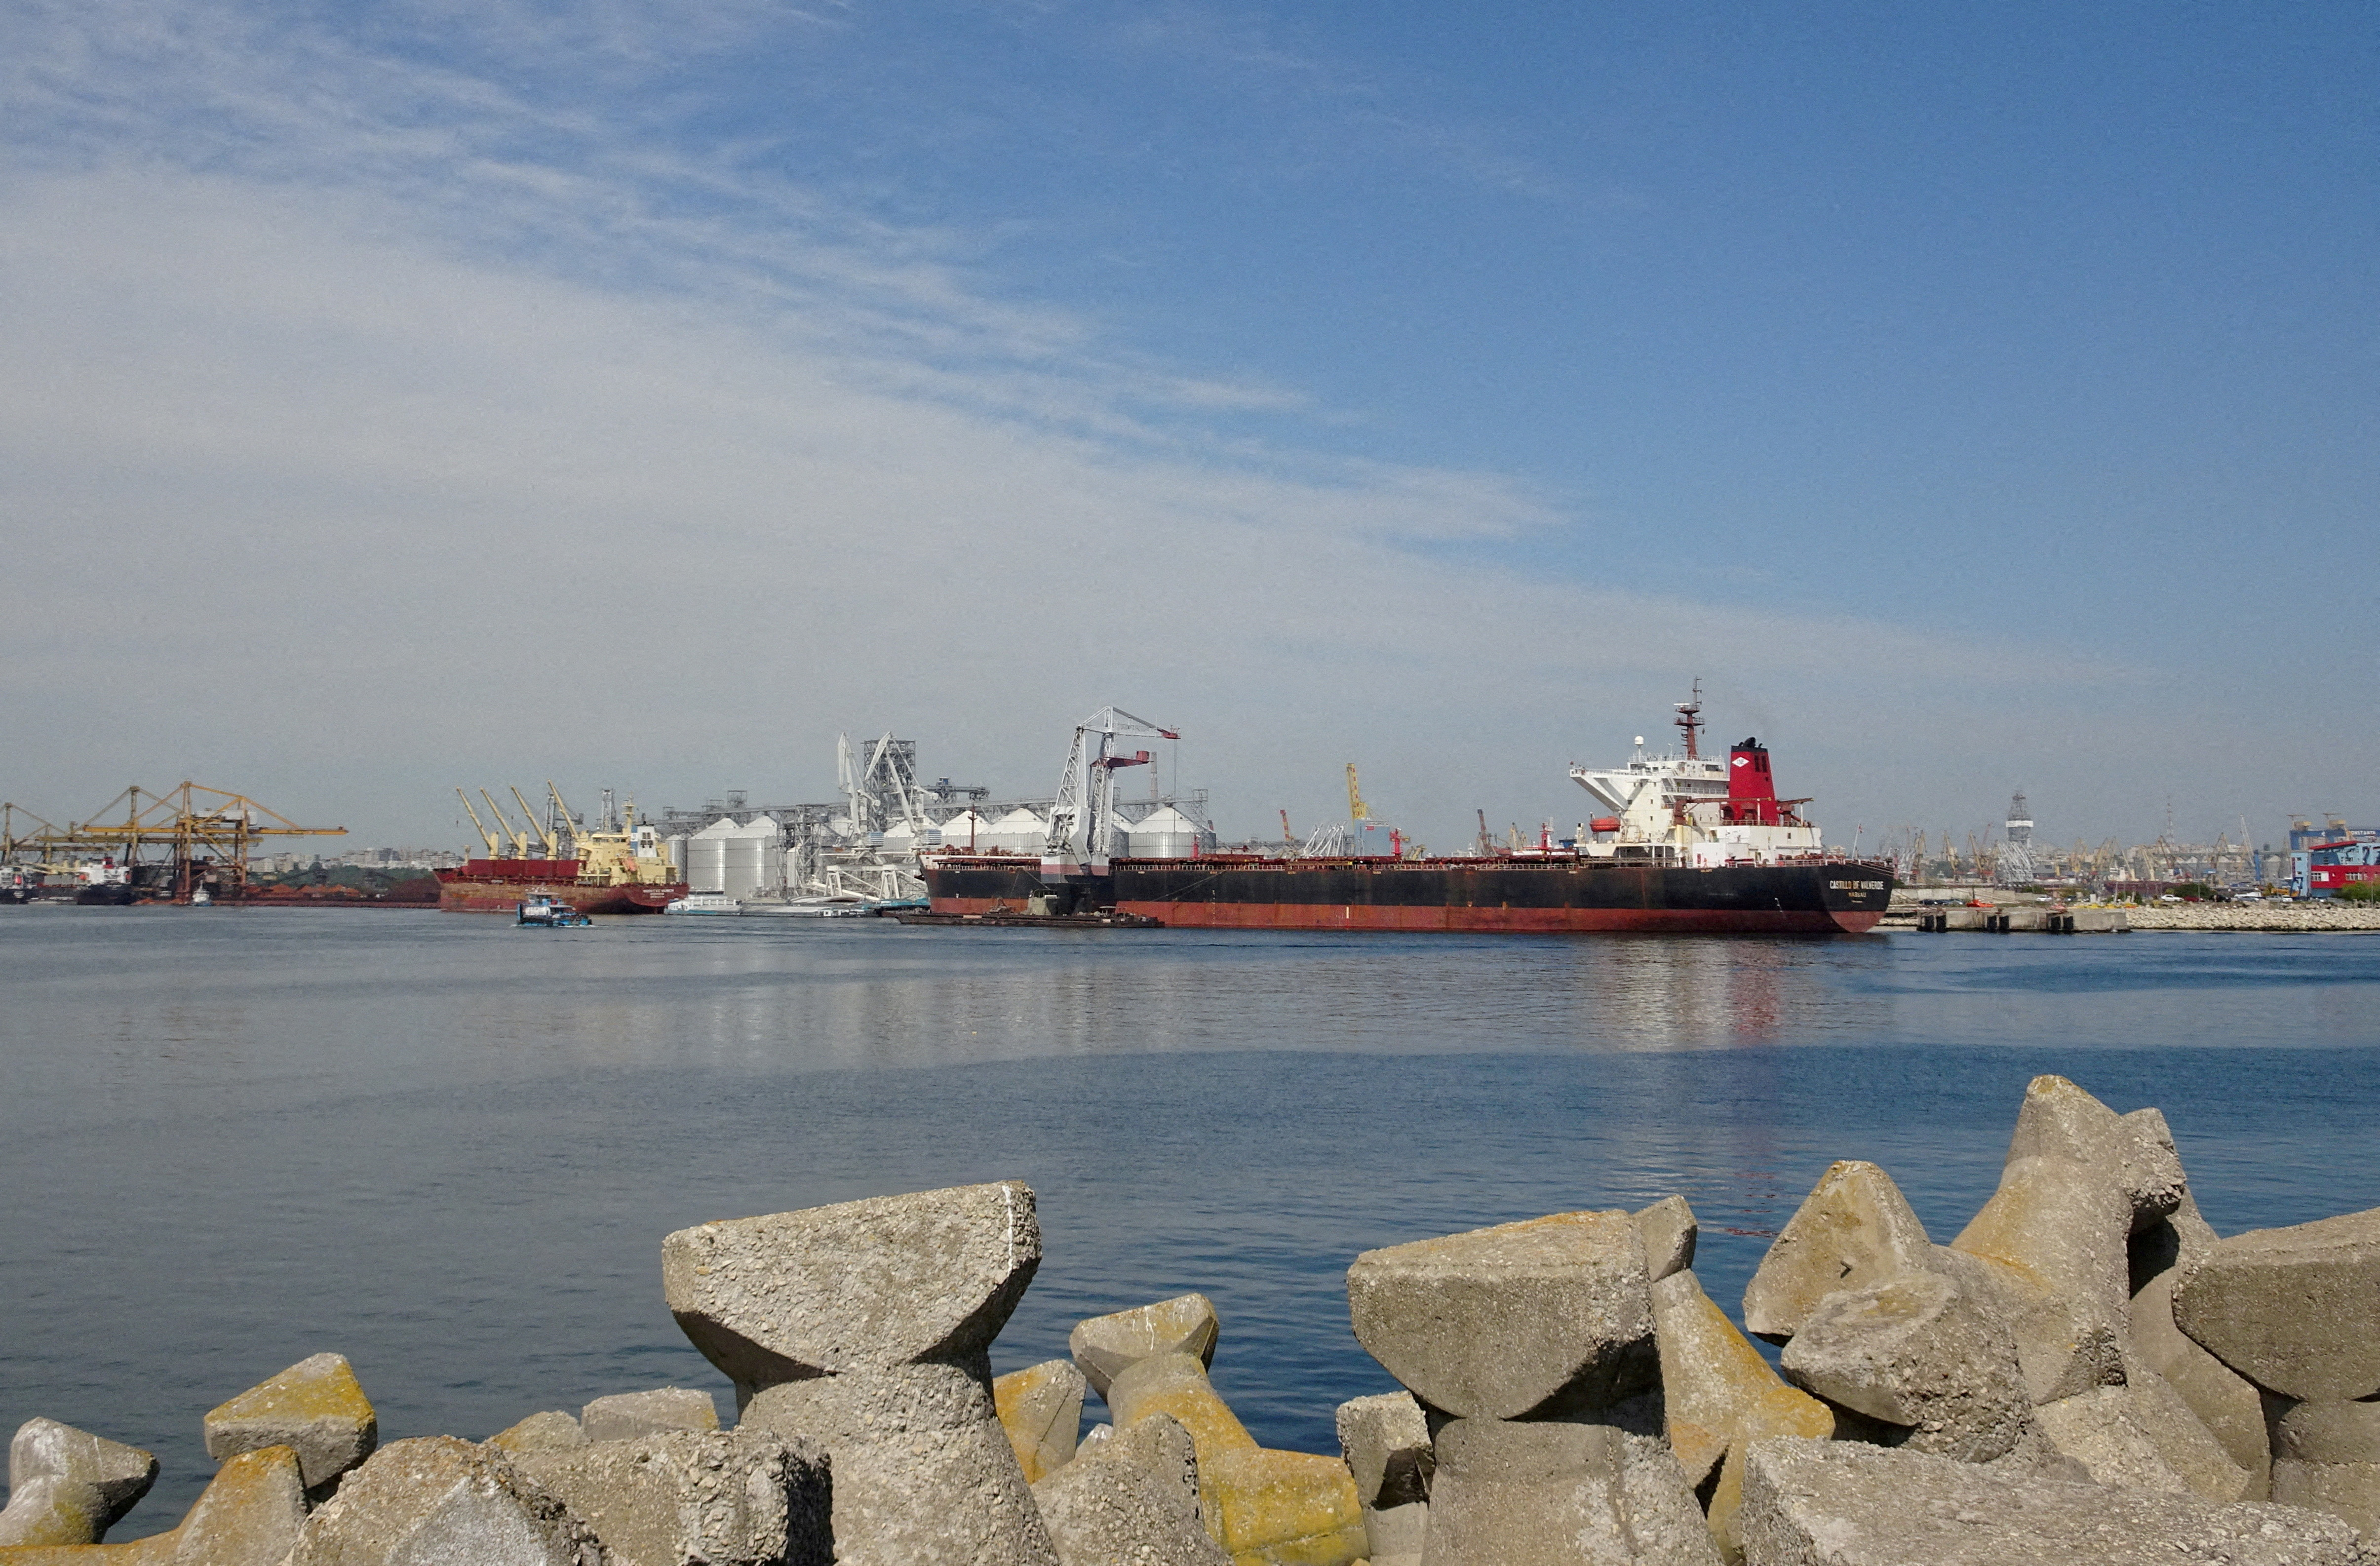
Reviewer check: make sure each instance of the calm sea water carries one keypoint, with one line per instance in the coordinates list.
(449, 1148)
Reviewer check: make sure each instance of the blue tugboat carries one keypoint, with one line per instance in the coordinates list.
(544, 910)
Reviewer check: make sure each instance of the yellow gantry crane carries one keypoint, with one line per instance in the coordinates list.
(206, 833)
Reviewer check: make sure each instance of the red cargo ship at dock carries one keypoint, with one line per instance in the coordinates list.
(500, 886)
(1690, 845)
(617, 867)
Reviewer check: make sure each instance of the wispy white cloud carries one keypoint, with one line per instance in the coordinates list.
(368, 424)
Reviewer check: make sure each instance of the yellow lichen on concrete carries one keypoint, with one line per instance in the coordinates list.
(1720, 1397)
(1041, 1408)
(1266, 1508)
(315, 1407)
(252, 1511)
(1177, 1384)
(1284, 1508)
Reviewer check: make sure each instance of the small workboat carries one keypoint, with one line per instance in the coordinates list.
(546, 912)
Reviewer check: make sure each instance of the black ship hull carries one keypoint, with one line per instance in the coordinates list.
(1557, 893)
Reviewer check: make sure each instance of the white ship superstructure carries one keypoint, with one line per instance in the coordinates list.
(1685, 807)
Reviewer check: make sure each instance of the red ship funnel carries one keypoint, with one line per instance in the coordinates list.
(1751, 788)
(1747, 772)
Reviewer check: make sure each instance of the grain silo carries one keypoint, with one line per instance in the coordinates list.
(751, 856)
(1019, 831)
(966, 833)
(706, 856)
(1163, 834)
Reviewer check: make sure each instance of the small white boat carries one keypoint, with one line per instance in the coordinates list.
(702, 902)
(803, 908)
(541, 909)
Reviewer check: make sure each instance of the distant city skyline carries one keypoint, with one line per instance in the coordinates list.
(639, 394)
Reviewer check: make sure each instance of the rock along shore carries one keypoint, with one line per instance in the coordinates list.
(2310, 915)
(2086, 1373)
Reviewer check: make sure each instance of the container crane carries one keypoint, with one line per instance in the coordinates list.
(1082, 822)
(206, 833)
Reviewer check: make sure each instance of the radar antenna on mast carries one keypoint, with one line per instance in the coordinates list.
(1690, 720)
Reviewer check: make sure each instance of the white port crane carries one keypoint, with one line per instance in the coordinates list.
(1082, 823)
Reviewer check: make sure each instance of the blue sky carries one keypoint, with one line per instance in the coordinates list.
(636, 393)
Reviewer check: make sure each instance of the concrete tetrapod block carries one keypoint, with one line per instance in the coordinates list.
(1718, 1396)
(1844, 1503)
(1916, 1352)
(2079, 1179)
(1664, 1523)
(539, 1432)
(1163, 1449)
(1288, 1508)
(1715, 1384)
(1547, 1317)
(315, 1407)
(1668, 1230)
(1041, 1409)
(627, 1414)
(695, 1498)
(923, 1473)
(436, 1498)
(2326, 1455)
(1176, 1384)
(250, 1515)
(1853, 1229)
(1529, 1493)
(69, 1486)
(2225, 1403)
(2100, 1430)
(1131, 1501)
(1105, 1346)
(928, 1277)
(1386, 1442)
(2295, 1310)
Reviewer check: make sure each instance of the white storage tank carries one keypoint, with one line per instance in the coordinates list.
(1019, 831)
(1163, 834)
(965, 831)
(751, 856)
(706, 856)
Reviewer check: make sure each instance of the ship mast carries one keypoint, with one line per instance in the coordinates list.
(1690, 720)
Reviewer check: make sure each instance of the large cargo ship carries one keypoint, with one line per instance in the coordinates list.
(1686, 843)
(618, 868)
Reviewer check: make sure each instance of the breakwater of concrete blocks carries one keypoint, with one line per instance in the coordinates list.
(2085, 1372)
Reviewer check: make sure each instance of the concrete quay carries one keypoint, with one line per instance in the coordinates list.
(2085, 1372)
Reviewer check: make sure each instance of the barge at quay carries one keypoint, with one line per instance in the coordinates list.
(1686, 843)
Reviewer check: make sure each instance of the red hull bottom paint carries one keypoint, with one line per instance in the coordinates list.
(1663, 921)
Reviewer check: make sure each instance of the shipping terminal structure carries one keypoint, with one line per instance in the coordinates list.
(1686, 843)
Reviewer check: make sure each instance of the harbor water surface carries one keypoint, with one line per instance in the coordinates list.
(449, 1148)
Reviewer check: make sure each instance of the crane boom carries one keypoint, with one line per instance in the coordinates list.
(495, 850)
(545, 834)
(1356, 809)
(1082, 820)
(518, 839)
